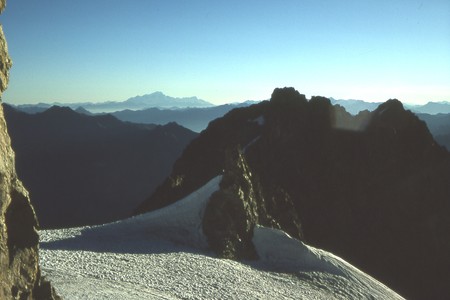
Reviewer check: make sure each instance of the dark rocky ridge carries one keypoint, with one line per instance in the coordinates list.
(20, 276)
(372, 188)
(75, 165)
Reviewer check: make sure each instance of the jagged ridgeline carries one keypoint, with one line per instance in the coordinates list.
(372, 188)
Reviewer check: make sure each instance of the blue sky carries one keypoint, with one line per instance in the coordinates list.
(227, 51)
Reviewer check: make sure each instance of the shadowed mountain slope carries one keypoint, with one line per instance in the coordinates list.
(439, 125)
(371, 188)
(90, 169)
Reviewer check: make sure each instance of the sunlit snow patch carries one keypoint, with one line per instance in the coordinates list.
(180, 222)
(251, 143)
(260, 120)
(276, 248)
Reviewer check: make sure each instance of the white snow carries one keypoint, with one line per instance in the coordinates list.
(251, 143)
(276, 248)
(260, 120)
(163, 255)
(284, 253)
(180, 222)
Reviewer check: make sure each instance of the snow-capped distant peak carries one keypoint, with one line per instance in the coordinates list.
(158, 99)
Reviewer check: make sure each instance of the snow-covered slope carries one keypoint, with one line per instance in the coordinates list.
(163, 255)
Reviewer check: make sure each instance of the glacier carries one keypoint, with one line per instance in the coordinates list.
(164, 255)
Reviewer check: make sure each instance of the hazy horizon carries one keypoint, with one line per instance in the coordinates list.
(97, 51)
(193, 96)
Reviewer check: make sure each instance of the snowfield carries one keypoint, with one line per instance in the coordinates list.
(164, 255)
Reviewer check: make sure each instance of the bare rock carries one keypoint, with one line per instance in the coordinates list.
(20, 276)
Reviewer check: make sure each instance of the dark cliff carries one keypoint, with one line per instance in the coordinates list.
(371, 188)
(19, 262)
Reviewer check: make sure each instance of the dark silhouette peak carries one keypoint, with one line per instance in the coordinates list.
(82, 110)
(59, 116)
(286, 95)
(391, 114)
(320, 107)
(372, 188)
(60, 112)
(62, 115)
(10, 108)
(105, 117)
(391, 106)
(320, 100)
(171, 125)
(391, 119)
(59, 109)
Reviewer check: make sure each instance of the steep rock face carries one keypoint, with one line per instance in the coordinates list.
(5, 60)
(204, 157)
(372, 188)
(19, 264)
(239, 205)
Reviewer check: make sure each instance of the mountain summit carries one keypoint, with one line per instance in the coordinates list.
(158, 99)
(153, 100)
(371, 188)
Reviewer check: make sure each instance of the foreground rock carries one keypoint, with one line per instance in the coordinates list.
(20, 276)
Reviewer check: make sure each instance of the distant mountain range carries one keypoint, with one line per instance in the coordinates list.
(355, 106)
(162, 102)
(435, 114)
(156, 99)
(195, 119)
(431, 108)
(198, 118)
(371, 188)
(195, 114)
(83, 170)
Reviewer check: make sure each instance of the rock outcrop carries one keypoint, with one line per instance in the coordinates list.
(371, 188)
(19, 263)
